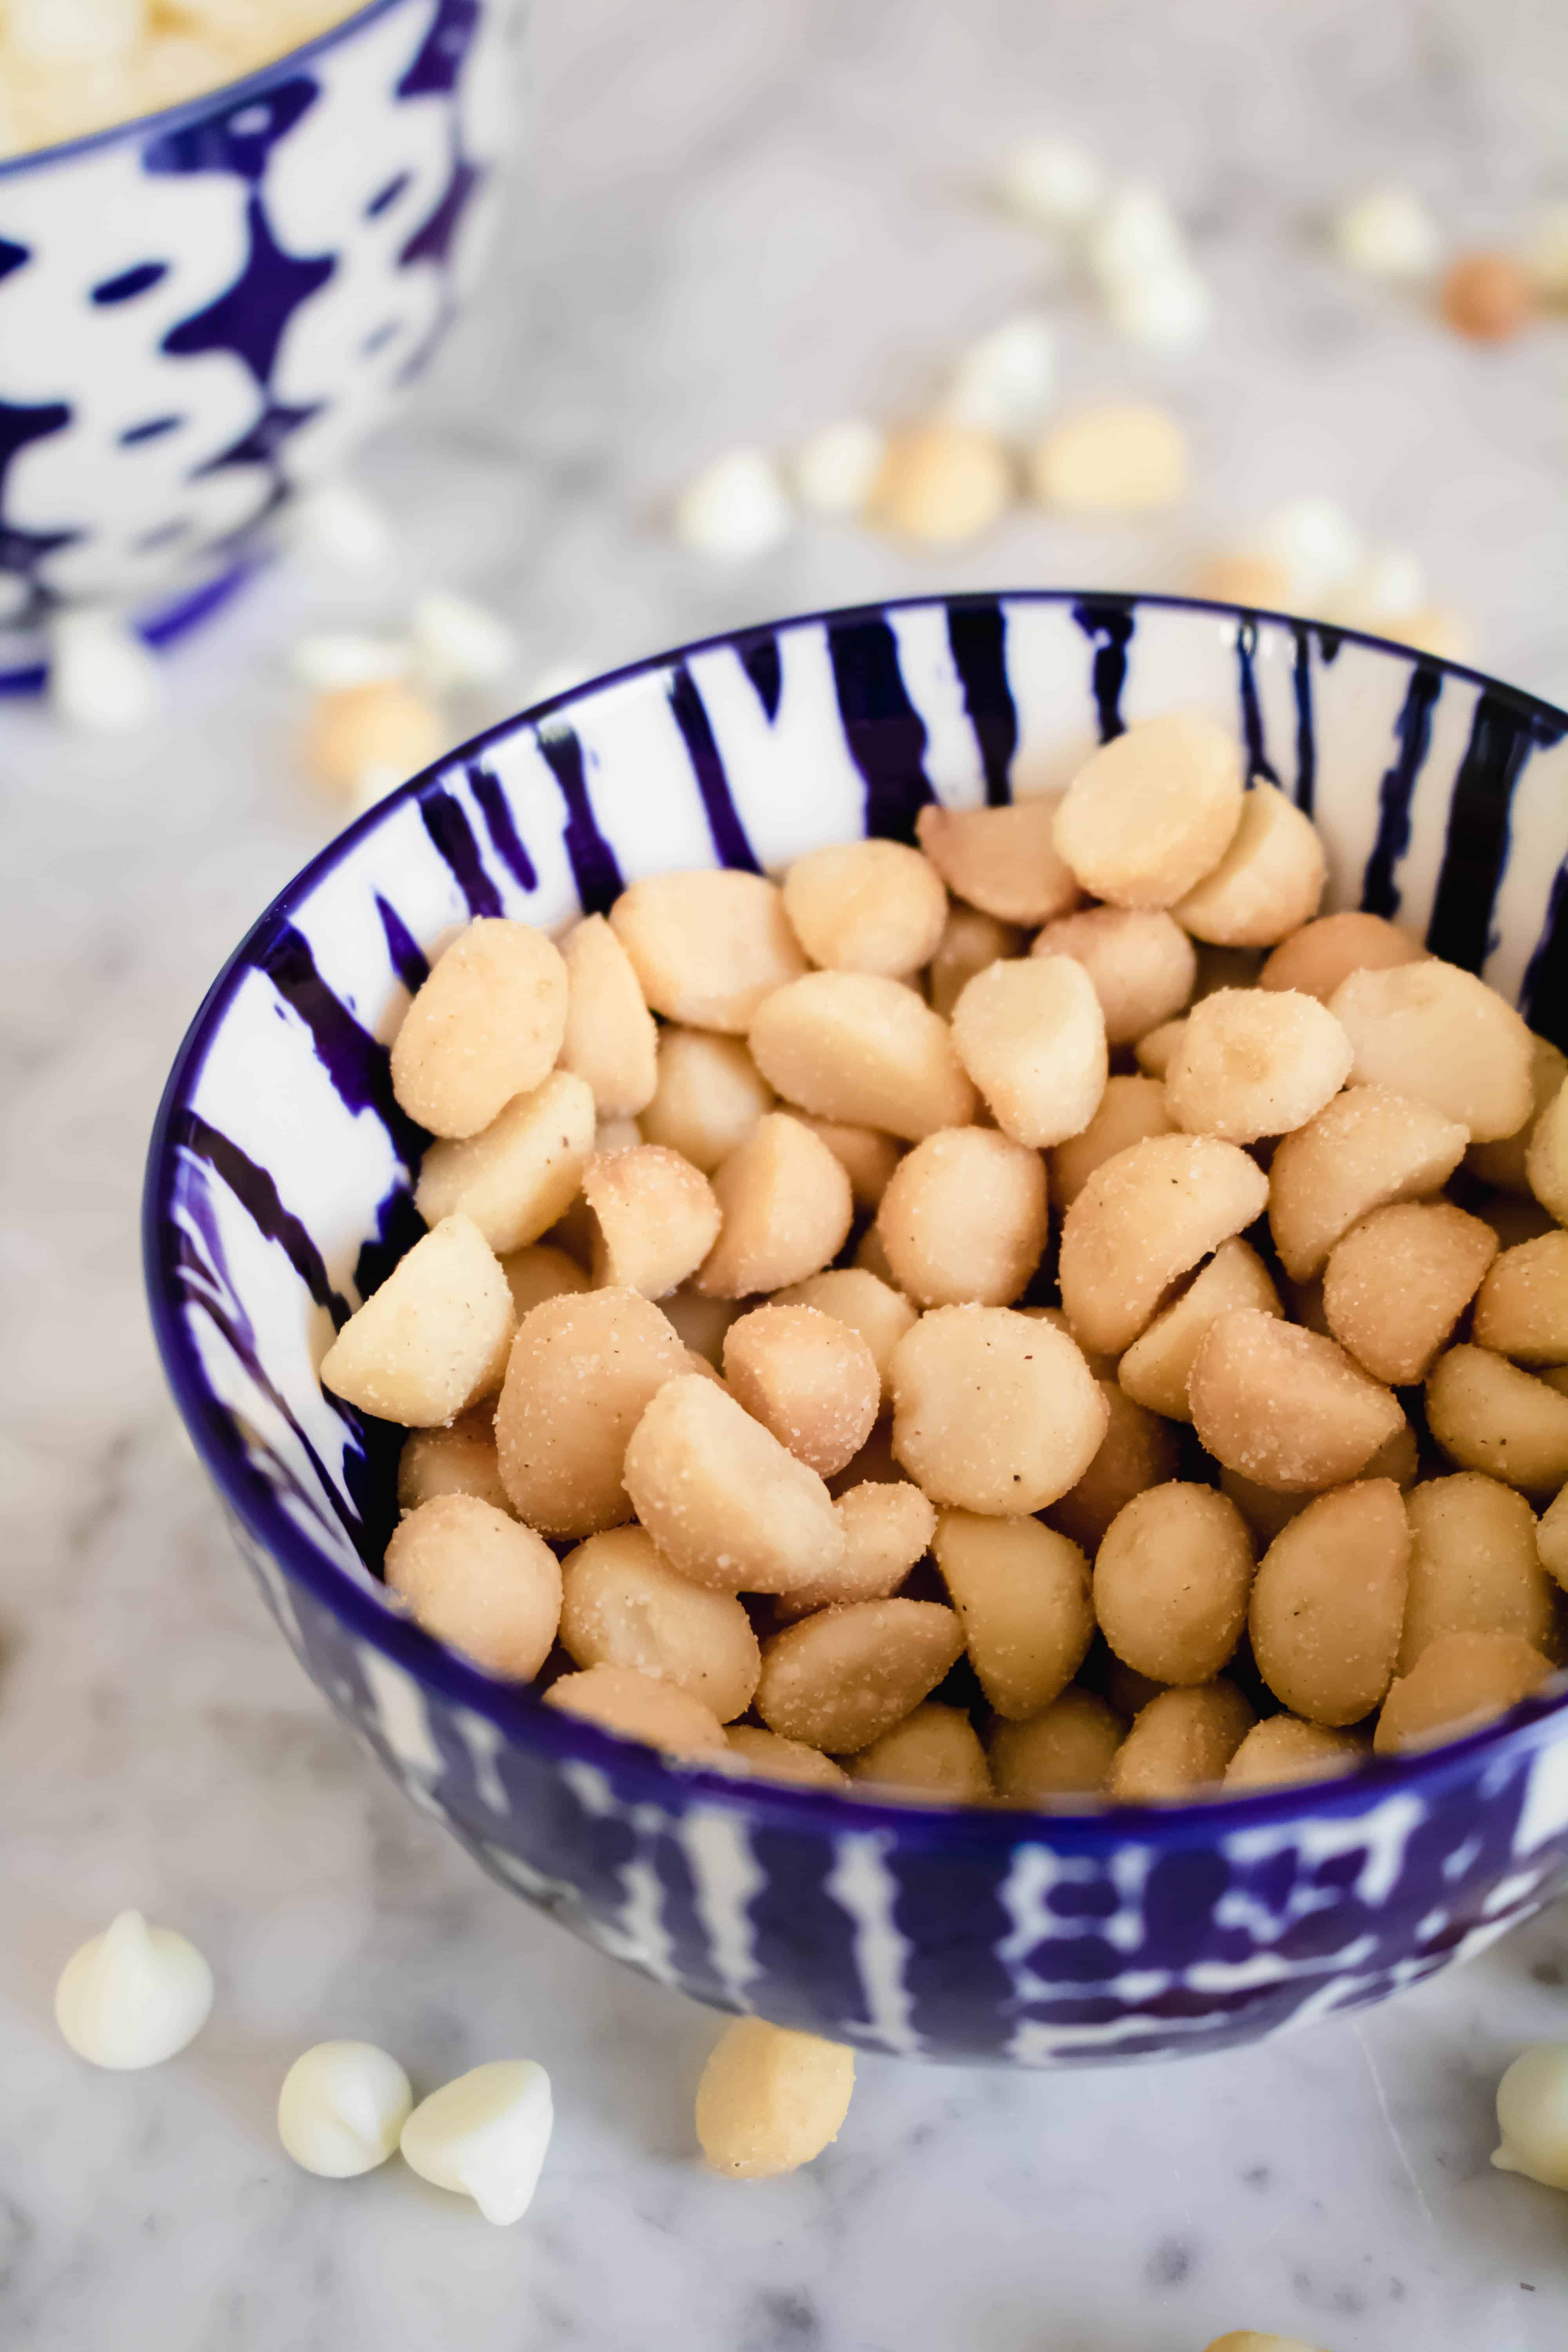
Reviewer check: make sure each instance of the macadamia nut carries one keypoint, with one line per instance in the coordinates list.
(1329, 1603)
(1121, 457)
(1268, 882)
(458, 1460)
(1281, 1750)
(706, 948)
(856, 1047)
(727, 1504)
(476, 1579)
(1143, 1220)
(1066, 1751)
(841, 1678)
(1131, 1110)
(769, 1758)
(538, 1272)
(610, 1040)
(1022, 1593)
(1364, 1149)
(1154, 810)
(970, 942)
(1002, 861)
(934, 1753)
(993, 1412)
(865, 906)
(1522, 1307)
(1439, 1033)
(433, 1338)
(1143, 964)
(1396, 1285)
(785, 1209)
(1284, 1407)
(1546, 1156)
(810, 1379)
(1326, 951)
(1139, 1450)
(888, 1526)
(642, 1707)
(486, 1024)
(1460, 1682)
(519, 1174)
(657, 1218)
(1032, 1037)
(1474, 1566)
(708, 1097)
(870, 1306)
(1180, 1744)
(581, 1372)
(866, 1157)
(1156, 1051)
(771, 2100)
(1488, 1415)
(1156, 1370)
(623, 1605)
(1251, 1064)
(964, 1218)
(1170, 1583)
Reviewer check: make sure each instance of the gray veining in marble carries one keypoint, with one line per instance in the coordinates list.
(741, 217)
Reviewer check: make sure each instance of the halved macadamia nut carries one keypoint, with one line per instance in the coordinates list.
(1283, 1749)
(935, 1752)
(474, 1578)
(1139, 1450)
(623, 1605)
(1032, 1037)
(1284, 1407)
(458, 1460)
(517, 1177)
(1180, 1745)
(1460, 1682)
(1268, 882)
(864, 1302)
(1506, 1163)
(1328, 1602)
(1066, 1751)
(1488, 1415)
(1439, 1033)
(1131, 1110)
(1156, 1051)
(1143, 1220)
(964, 1219)
(1170, 1583)
(1156, 1368)
(1142, 963)
(540, 1271)
(1364, 1149)
(486, 1024)
(1003, 861)
(771, 1758)
(657, 1218)
(708, 1097)
(1546, 1156)
(1250, 1064)
(433, 1338)
(1522, 1307)
(706, 948)
(970, 942)
(786, 1210)
(888, 1526)
(993, 1412)
(1023, 1594)
(839, 1680)
(1551, 1540)
(611, 1041)
(1396, 1285)
(642, 1707)
(865, 906)
(810, 1379)
(1474, 1566)
(1153, 811)
(866, 1156)
(1322, 953)
(580, 1373)
(727, 1504)
(857, 1048)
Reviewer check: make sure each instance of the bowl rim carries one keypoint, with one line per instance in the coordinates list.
(225, 94)
(516, 1710)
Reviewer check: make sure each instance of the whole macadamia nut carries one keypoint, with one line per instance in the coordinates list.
(1180, 1744)
(519, 1174)
(993, 1412)
(1281, 1750)
(1546, 1156)
(968, 942)
(1143, 1220)
(476, 1579)
(1315, 959)
(1002, 861)
(1284, 1407)
(706, 948)
(1139, 1450)
(636, 1706)
(1268, 882)
(770, 2100)
(1522, 1307)
(864, 1302)
(1430, 1030)
(1066, 1751)
(1365, 1149)
(840, 1678)
(866, 1156)
(1506, 1163)
(865, 906)
(657, 1218)
(1131, 1110)
(1142, 963)
(1460, 1682)
(1156, 1370)
(934, 1753)
(856, 1047)
(1023, 1594)
(1328, 1602)
(1154, 810)
(1251, 1064)
(726, 1504)
(1489, 1415)
(458, 1460)
(1172, 1579)
(964, 1218)
(1154, 1053)
(1032, 1037)
(486, 1024)
(888, 1526)
(810, 1379)
(768, 1757)
(623, 1605)
(1396, 1285)
(580, 1373)
(1474, 1566)
(538, 1272)
(433, 1338)
(610, 1040)
(708, 1097)
(785, 1209)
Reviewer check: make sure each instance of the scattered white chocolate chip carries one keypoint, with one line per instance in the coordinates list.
(1051, 183)
(735, 509)
(1168, 308)
(1004, 382)
(485, 2135)
(103, 680)
(1135, 233)
(341, 2107)
(834, 471)
(555, 678)
(331, 660)
(1389, 584)
(132, 1995)
(1532, 2115)
(1388, 232)
(338, 526)
(1315, 542)
(459, 643)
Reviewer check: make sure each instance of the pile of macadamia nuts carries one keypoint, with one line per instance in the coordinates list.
(1055, 1248)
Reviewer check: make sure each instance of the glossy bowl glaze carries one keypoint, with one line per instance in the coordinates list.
(278, 1193)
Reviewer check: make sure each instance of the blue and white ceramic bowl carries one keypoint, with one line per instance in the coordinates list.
(206, 309)
(279, 1195)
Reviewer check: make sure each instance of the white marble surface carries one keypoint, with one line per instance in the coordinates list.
(741, 219)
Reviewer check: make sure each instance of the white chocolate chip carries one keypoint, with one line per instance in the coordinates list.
(341, 2109)
(103, 680)
(331, 660)
(1532, 2115)
(1315, 542)
(1168, 308)
(735, 509)
(1388, 586)
(132, 1995)
(1388, 232)
(459, 643)
(1051, 183)
(485, 2135)
(835, 470)
(1003, 382)
(65, 33)
(340, 529)
(1134, 233)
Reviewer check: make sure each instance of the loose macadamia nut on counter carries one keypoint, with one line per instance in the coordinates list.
(1139, 1450)
(1474, 1566)
(1268, 882)
(1156, 1368)
(769, 1758)
(1170, 1583)
(610, 1041)
(934, 1753)
(888, 1526)
(970, 942)
(706, 948)
(1032, 1037)
(771, 2100)
(841, 1678)
(458, 1460)
(993, 1412)
(1023, 1594)
(880, 1314)
(708, 1097)
(580, 1373)
(727, 1504)
(475, 1578)
(1396, 1285)
(486, 1025)
(1002, 861)
(1283, 1406)
(433, 1338)
(1131, 1110)
(866, 1156)
(865, 906)
(1250, 1064)
(1282, 1749)
(1154, 810)
(1439, 1033)
(1364, 1149)
(1142, 963)
(1506, 1163)
(1119, 457)
(786, 1210)
(1488, 1415)
(1460, 1682)
(641, 1707)
(942, 483)
(1066, 1751)
(1180, 1744)
(964, 1218)
(1315, 959)
(856, 1047)
(1546, 1156)
(657, 1218)
(1328, 1602)
(520, 1173)
(811, 1380)
(623, 1605)
(1143, 1220)
(538, 1272)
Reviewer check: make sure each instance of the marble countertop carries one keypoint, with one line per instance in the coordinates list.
(737, 221)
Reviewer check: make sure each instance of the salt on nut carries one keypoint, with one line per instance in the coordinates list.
(1443, 1036)
(581, 1372)
(840, 1678)
(770, 2100)
(993, 1412)
(1506, 1163)
(1131, 1110)
(1284, 1407)
(970, 942)
(1172, 1579)
(708, 1097)
(1268, 882)
(1121, 457)
(1142, 962)
(865, 906)
(433, 1338)
(1282, 1750)
(1001, 861)
(486, 1024)
(1326, 951)
(1180, 1744)
(1474, 1566)
(540, 1271)
(888, 1526)
(1139, 1450)
(942, 483)
(934, 1753)
(636, 1706)
(610, 1039)
(1144, 1219)
(727, 1504)
(1032, 1037)
(623, 1605)
(1252, 1063)
(1522, 1307)
(1365, 1149)
(1551, 1540)
(1546, 1156)
(1329, 1601)
(864, 1302)
(458, 1460)
(767, 1757)
(964, 1218)
(520, 1173)
(1154, 810)
(786, 1210)
(1065, 1751)
(707, 947)
(657, 1218)
(1156, 1370)
(1489, 1415)
(812, 1381)
(1460, 1682)
(1396, 1285)
(856, 1047)
(471, 1577)
(1022, 1593)
(866, 1156)
(1154, 1053)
